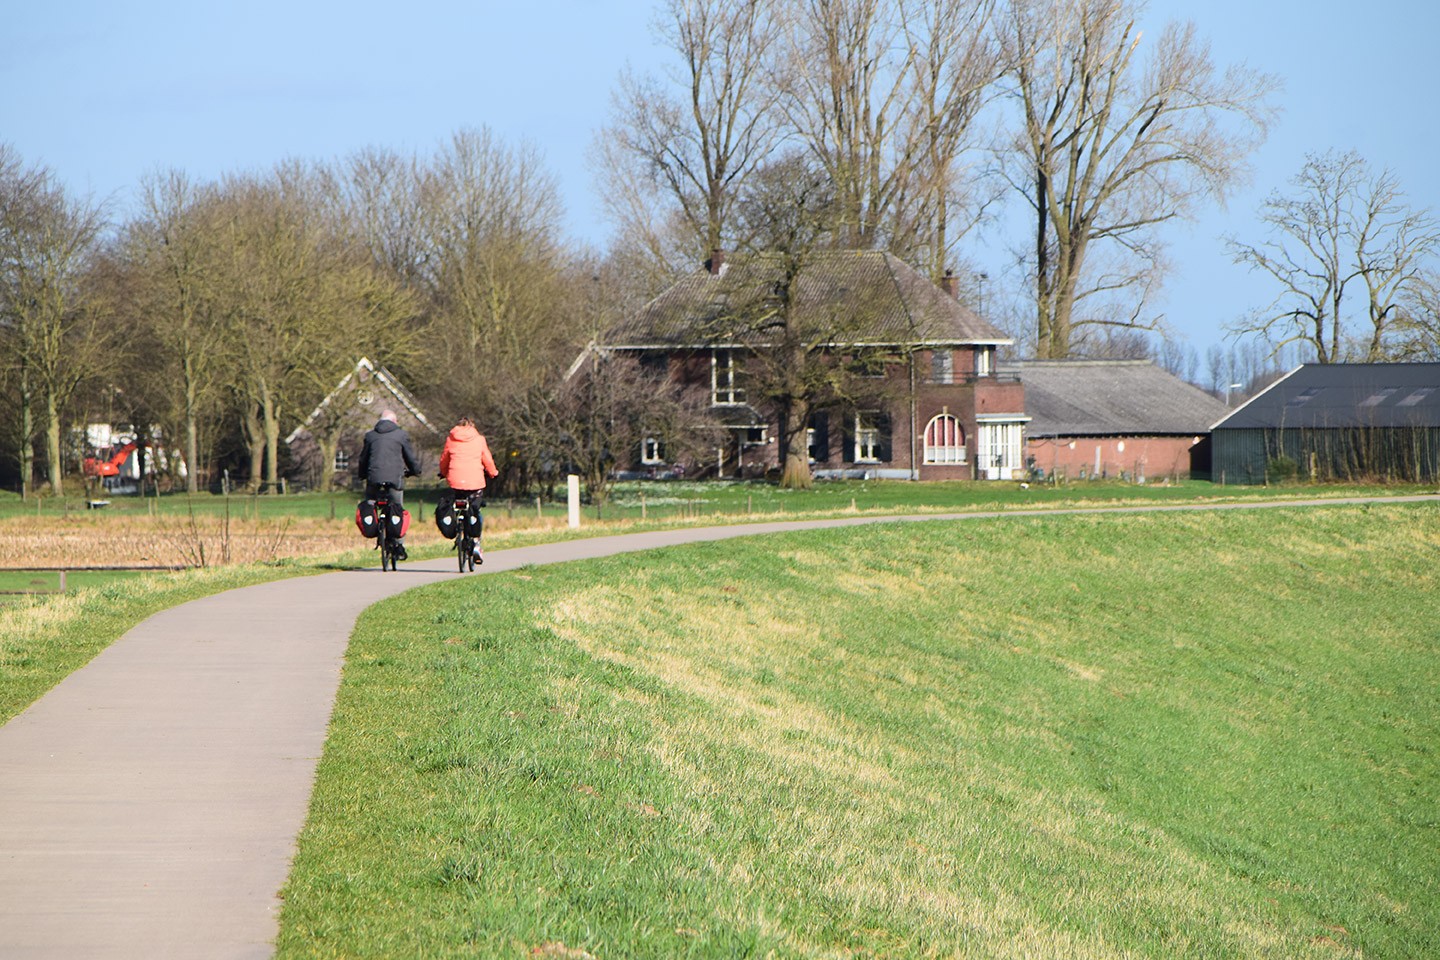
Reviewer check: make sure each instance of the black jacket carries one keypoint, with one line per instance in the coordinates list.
(387, 455)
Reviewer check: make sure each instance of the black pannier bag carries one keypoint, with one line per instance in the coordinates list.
(473, 519)
(445, 517)
(365, 519)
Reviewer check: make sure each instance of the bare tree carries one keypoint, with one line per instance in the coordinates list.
(378, 196)
(506, 312)
(53, 336)
(795, 329)
(691, 142)
(299, 299)
(167, 259)
(955, 64)
(883, 97)
(1112, 146)
(1419, 326)
(1345, 231)
(612, 404)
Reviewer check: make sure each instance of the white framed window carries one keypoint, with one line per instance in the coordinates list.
(944, 440)
(342, 461)
(984, 361)
(726, 389)
(651, 451)
(867, 436)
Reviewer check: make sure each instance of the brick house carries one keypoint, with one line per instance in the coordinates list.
(325, 449)
(935, 406)
(1114, 418)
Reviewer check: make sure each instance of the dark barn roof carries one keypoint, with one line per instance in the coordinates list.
(1067, 398)
(1337, 395)
(877, 298)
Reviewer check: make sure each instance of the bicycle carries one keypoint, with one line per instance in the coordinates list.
(390, 551)
(466, 546)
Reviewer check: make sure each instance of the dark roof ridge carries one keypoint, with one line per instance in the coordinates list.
(1087, 361)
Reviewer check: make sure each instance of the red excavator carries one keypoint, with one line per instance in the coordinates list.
(96, 467)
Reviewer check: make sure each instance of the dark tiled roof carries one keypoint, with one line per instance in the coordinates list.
(1111, 398)
(1327, 395)
(865, 296)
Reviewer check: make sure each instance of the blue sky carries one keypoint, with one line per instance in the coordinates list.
(106, 91)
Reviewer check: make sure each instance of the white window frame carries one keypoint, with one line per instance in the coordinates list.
(867, 437)
(725, 373)
(341, 463)
(651, 451)
(984, 361)
(945, 428)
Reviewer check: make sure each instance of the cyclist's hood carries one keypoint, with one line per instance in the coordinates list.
(461, 432)
(385, 426)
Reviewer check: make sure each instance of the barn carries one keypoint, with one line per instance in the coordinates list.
(1113, 418)
(1335, 422)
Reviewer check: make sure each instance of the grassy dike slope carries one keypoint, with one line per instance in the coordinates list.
(1198, 735)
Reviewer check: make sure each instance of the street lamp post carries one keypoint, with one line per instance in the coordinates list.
(1228, 388)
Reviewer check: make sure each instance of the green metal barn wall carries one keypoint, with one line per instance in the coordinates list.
(1350, 453)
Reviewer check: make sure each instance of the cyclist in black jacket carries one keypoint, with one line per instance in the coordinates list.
(388, 457)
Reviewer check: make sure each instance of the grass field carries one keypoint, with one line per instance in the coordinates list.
(1081, 737)
(177, 530)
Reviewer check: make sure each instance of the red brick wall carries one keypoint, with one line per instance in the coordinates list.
(1150, 457)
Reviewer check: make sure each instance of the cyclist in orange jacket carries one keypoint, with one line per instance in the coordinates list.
(466, 463)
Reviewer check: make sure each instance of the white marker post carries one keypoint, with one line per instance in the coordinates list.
(573, 484)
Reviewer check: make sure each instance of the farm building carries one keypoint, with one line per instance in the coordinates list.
(1342, 421)
(326, 447)
(935, 405)
(1113, 418)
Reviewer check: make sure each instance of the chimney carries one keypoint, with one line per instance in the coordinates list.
(950, 284)
(716, 263)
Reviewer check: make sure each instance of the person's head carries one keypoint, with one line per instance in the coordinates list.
(464, 422)
(388, 414)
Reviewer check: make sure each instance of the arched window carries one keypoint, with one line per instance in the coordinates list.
(944, 440)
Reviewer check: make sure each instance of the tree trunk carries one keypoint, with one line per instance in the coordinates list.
(325, 470)
(794, 462)
(271, 427)
(52, 446)
(255, 440)
(192, 433)
(27, 432)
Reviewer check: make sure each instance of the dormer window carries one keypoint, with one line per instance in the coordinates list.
(984, 361)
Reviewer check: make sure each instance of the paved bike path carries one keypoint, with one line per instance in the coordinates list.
(150, 803)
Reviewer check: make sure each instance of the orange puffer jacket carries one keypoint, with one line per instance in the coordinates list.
(466, 461)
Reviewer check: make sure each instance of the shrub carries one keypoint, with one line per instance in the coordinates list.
(1281, 470)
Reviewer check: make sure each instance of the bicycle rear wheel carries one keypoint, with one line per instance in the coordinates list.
(387, 558)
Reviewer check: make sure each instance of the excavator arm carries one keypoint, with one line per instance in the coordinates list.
(96, 467)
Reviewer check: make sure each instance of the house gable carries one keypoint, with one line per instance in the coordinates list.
(329, 440)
